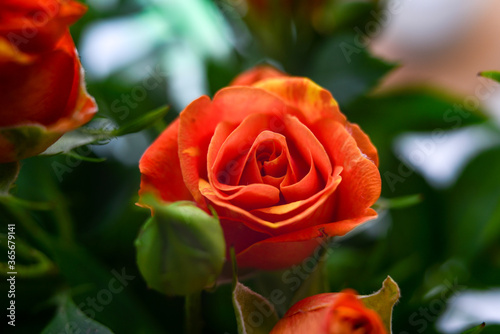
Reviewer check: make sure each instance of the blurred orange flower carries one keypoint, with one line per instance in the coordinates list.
(42, 88)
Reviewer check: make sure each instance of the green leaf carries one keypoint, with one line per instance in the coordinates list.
(412, 109)
(98, 281)
(346, 69)
(254, 313)
(383, 117)
(475, 330)
(398, 202)
(475, 220)
(104, 132)
(181, 249)
(77, 138)
(8, 175)
(142, 122)
(71, 320)
(494, 75)
(383, 301)
(84, 158)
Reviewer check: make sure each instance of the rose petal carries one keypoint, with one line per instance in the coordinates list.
(276, 255)
(230, 160)
(274, 252)
(335, 228)
(160, 167)
(232, 148)
(256, 195)
(305, 188)
(273, 181)
(307, 316)
(238, 235)
(291, 218)
(196, 124)
(347, 312)
(363, 142)
(38, 92)
(361, 182)
(313, 303)
(43, 97)
(314, 102)
(199, 121)
(36, 26)
(229, 175)
(277, 167)
(257, 74)
(312, 151)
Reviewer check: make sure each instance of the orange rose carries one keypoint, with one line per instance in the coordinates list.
(278, 162)
(42, 89)
(330, 313)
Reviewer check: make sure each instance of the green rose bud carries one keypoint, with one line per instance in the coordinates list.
(181, 249)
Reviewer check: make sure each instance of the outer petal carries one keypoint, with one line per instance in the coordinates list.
(363, 141)
(314, 102)
(160, 167)
(276, 255)
(37, 92)
(288, 249)
(257, 74)
(361, 183)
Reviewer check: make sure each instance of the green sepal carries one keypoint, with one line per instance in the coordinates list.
(383, 301)
(254, 313)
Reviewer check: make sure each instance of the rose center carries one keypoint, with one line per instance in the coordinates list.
(270, 160)
(348, 321)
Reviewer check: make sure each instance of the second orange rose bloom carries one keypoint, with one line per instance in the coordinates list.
(330, 313)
